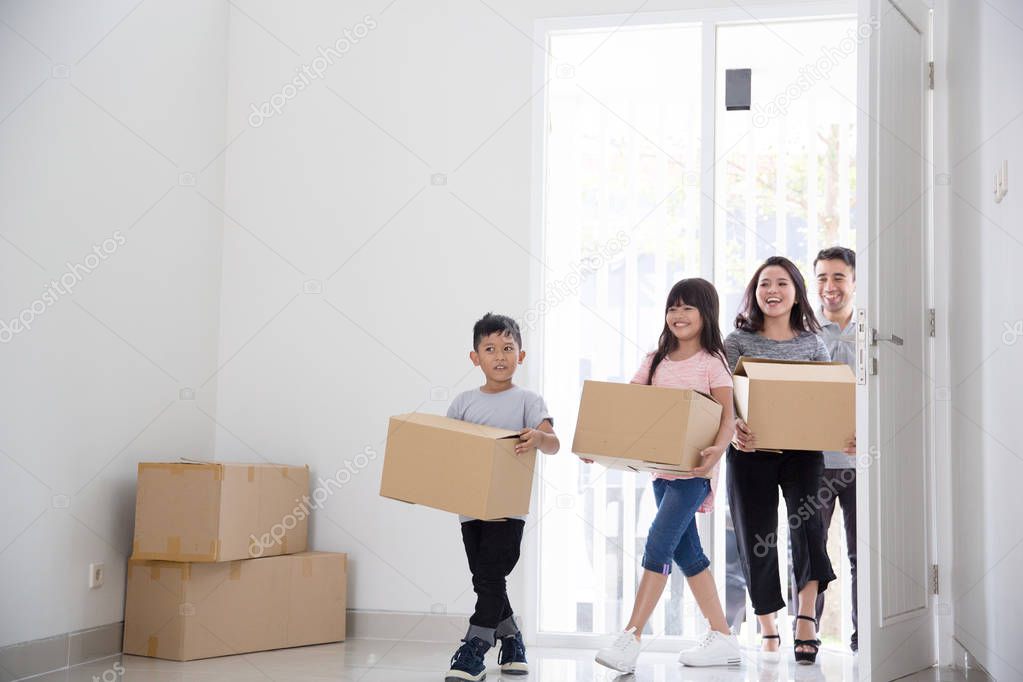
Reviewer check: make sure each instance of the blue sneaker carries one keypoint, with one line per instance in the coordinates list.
(467, 663)
(513, 655)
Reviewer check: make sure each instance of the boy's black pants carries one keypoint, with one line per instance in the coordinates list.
(492, 549)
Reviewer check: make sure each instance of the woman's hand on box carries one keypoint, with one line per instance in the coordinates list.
(850, 447)
(743, 439)
(711, 457)
(588, 461)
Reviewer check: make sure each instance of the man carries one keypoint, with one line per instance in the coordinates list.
(835, 270)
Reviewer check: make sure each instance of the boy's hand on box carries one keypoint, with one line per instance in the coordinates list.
(850, 447)
(528, 439)
(743, 439)
(711, 456)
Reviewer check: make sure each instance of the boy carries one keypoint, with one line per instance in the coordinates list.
(492, 547)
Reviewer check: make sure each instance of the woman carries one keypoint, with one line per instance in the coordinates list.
(777, 322)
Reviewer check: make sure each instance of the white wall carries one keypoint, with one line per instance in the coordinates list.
(442, 87)
(986, 125)
(97, 120)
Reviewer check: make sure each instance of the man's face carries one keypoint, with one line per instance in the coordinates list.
(836, 284)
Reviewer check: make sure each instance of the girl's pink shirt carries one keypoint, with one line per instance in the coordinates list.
(700, 372)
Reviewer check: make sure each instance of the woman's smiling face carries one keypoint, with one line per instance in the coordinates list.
(776, 294)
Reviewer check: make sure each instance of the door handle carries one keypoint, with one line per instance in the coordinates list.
(861, 346)
(875, 339)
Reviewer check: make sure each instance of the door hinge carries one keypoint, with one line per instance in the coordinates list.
(873, 367)
(934, 578)
(930, 75)
(932, 328)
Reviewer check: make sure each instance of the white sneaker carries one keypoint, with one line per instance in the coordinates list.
(622, 653)
(714, 649)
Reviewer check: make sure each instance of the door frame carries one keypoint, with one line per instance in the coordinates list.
(941, 368)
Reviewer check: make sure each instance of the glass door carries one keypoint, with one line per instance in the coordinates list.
(622, 225)
(644, 170)
(786, 184)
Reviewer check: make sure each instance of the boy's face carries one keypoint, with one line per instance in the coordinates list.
(836, 284)
(498, 356)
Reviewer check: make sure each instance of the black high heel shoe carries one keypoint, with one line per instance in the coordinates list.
(806, 657)
(770, 656)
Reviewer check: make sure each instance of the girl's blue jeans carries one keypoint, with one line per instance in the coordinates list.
(673, 534)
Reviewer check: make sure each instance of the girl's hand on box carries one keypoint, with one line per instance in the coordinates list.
(743, 439)
(850, 447)
(711, 456)
(528, 439)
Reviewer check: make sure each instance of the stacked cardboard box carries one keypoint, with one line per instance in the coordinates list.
(219, 563)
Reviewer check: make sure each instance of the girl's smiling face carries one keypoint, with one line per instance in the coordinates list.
(684, 321)
(776, 294)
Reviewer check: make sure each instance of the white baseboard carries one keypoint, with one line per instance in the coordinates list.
(402, 625)
(966, 663)
(61, 652)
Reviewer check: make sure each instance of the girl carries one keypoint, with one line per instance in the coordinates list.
(689, 354)
(776, 321)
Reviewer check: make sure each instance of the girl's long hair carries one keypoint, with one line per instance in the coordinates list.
(702, 295)
(801, 317)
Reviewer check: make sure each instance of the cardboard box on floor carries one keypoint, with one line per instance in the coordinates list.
(792, 405)
(644, 428)
(185, 611)
(219, 511)
(456, 466)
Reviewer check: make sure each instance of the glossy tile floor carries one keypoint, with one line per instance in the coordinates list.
(374, 660)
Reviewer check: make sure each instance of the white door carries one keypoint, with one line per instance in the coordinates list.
(894, 544)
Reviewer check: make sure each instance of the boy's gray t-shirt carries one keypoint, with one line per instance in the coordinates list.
(515, 409)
